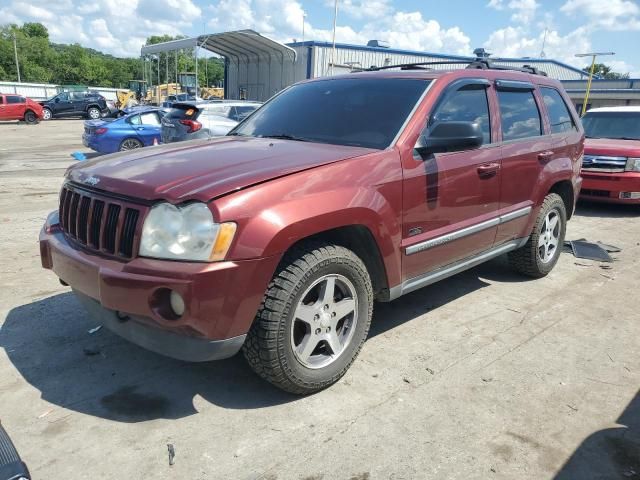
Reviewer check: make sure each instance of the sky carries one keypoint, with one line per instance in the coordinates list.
(511, 28)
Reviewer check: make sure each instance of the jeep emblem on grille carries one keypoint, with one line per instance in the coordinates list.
(91, 180)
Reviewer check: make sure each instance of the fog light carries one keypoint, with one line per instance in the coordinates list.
(630, 195)
(177, 303)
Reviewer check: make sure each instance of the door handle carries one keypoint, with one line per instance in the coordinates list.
(488, 170)
(545, 156)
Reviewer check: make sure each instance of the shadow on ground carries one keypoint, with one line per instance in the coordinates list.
(613, 453)
(607, 210)
(100, 374)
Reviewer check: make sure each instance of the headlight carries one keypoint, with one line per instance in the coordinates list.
(633, 165)
(185, 233)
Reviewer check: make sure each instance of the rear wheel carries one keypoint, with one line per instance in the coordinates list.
(314, 318)
(130, 144)
(46, 114)
(93, 113)
(540, 254)
(30, 117)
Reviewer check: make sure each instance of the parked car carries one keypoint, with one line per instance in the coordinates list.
(17, 107)
(611, 164)
(277, 238)
(135, 130)
(75, 104)
(181, 97)
(187, 121)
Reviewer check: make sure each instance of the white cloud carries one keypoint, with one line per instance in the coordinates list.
(620, 66)
(363, 9)
(32, 11)
(609, 15)
(515, 42)
(524, 11)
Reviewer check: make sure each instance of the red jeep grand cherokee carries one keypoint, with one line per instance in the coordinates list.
(277, 238)
(611, 164)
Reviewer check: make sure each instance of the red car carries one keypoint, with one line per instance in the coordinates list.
(17, 107)
(611, 164)
(277, 238)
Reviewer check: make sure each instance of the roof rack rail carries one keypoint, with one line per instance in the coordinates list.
(482, 63)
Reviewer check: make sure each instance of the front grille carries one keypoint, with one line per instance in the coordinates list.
(599, 163)
(99, 222)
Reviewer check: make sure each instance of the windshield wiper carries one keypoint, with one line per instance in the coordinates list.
(589, 136)
(236, 134)
(627, 138)
(284, 136)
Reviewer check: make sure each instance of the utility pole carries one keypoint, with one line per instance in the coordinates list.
(304, 15)
(333, 50)
(593, 56)
(15, 51)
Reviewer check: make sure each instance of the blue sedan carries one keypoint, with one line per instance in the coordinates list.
(135, 130)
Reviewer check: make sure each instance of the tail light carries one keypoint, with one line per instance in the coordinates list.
(192, 124)
(100, 131)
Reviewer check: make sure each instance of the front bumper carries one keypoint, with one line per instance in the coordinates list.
(221, 298)
(611, 187)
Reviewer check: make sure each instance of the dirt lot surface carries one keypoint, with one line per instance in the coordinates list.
(486, 375)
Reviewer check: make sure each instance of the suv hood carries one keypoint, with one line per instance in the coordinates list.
(612, 147)
(204, 169)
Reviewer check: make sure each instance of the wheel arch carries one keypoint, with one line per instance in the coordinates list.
(564, 188)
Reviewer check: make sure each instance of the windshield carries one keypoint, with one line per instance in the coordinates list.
(364, 112)
(621, 125)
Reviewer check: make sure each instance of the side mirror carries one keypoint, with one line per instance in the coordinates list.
(450, 137)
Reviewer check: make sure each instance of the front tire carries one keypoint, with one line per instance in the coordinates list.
(313, 320)
(30, 117)
(540, 254)
(46, 114)
(93, 113)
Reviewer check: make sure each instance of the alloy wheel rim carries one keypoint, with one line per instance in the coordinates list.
(324, 321)
(46, 114)
(549, 237)
(94, 114)
(129, 144)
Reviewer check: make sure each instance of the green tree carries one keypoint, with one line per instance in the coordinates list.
(605, 71)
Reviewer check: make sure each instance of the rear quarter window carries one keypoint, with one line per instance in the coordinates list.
(559, 115)
(15, 99)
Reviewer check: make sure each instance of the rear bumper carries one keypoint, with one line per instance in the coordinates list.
(611, 187)
(220, 298)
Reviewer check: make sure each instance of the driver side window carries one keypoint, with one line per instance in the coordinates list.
(468, 104)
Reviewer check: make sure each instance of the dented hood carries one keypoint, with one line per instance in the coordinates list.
(204, 169)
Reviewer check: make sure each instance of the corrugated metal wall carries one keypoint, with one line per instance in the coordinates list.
(42, 91)
(258, 79)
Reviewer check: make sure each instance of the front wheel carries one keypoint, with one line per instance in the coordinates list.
(30, 117)
(313, 320)
(46, 114)
(540, 254)
(93, 113)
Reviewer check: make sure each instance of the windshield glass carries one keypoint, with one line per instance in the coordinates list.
(364, 112)
(623, 125)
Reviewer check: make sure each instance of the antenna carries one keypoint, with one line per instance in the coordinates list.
(544, 42)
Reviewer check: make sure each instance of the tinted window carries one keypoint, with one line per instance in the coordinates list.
(520, 115)
(1, 99)
(14, 99)
(239, 113)
(63, 97)
(150, 118)
(469, 104)
(612, 125)
(366, 112)
(559, 116)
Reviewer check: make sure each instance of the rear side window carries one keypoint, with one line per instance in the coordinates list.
(469, 104)
(559, 116)
(519, 115)
(150, 118)
(183, 112)
(15, 99)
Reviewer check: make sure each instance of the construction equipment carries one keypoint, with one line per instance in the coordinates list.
(211, 92)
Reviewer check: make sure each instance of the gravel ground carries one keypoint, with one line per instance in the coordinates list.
(484, 375)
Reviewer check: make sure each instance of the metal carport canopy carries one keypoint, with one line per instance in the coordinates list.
(237, 44)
